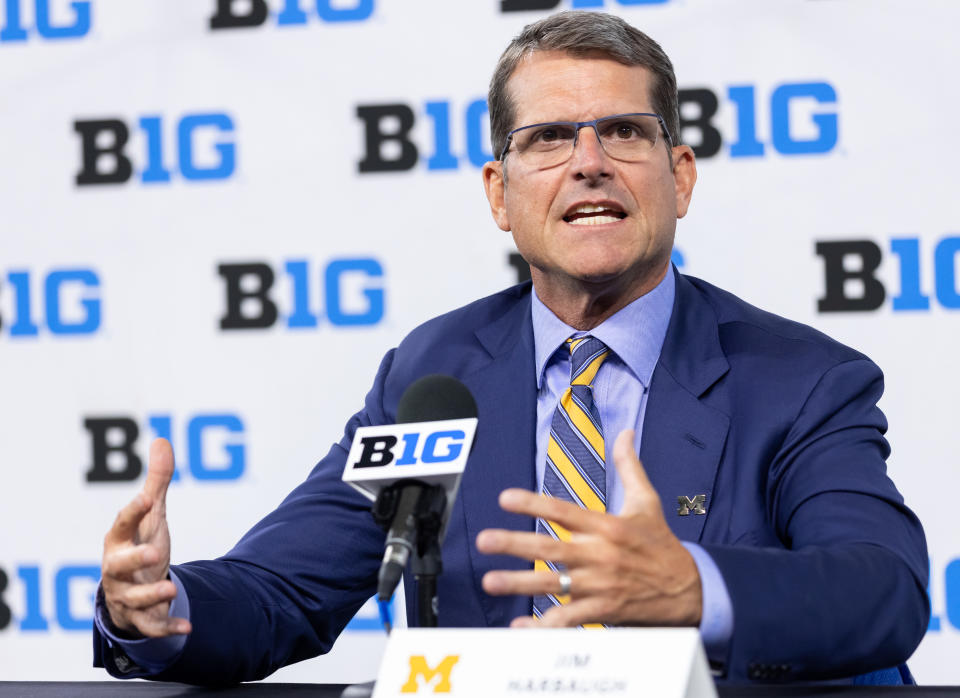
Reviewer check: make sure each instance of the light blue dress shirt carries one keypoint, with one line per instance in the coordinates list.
(634, 336)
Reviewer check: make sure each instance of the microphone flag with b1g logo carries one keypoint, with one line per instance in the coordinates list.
(432, 452)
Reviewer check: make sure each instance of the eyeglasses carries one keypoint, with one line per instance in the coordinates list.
(627, 137)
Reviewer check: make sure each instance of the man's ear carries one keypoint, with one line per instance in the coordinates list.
(684, 177)
(494, 183)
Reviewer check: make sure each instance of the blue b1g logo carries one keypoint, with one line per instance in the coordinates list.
(851, 282)
(802, 120)
(216, 448)
(442, 446)
(62, 301)
(104, 159)
(55, 19)
(233, 14)
(317, 296)
(944, 593)
(527, 5)
(72, 585)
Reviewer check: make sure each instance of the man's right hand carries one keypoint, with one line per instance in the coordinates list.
(136, 557)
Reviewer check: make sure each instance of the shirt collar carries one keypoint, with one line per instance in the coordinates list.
(634, 333)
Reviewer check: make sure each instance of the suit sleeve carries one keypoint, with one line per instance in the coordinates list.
(289, 586)
(847, 592)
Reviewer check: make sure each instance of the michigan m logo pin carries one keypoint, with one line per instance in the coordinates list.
(686, 504)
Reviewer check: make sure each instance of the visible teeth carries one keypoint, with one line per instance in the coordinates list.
(590, 208)
(594, 220)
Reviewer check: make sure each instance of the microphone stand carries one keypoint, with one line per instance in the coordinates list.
(427, 563)
(428, 523)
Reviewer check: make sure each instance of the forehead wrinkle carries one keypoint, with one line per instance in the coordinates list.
(567, 93)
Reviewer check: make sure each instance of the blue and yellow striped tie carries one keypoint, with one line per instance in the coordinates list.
(575, 455)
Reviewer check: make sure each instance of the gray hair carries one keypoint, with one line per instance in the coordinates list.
(583, 34)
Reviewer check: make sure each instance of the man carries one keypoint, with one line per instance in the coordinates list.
(800, 560)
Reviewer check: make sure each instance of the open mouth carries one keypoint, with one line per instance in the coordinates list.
(594, 214)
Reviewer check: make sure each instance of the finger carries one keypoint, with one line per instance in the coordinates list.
(530, 546)
(582, 612)
(569, 515)
(144, 596)
(152, 624)
(638, 493)
(525, 622)
(525, 583)
(122, 563)
(125, 526)
(159, 472)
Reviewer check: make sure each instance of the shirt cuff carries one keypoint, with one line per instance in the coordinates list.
(716, 621)
(153, 654)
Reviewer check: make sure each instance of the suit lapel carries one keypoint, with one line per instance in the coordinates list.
(683, 437)
(506, 392)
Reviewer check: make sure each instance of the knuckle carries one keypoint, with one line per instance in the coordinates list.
(616, 530)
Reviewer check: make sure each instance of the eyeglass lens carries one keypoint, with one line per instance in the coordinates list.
(629, 138)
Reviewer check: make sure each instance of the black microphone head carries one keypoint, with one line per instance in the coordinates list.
(435, 397)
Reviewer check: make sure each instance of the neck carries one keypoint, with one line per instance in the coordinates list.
(585, 304)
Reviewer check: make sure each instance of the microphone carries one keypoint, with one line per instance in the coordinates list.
(411, 470)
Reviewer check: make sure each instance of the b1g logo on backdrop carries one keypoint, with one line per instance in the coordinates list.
(215, 444)
(799, 124)
(345, 292)
(526, 5)
(944, 593)
(48, 596)
(850, 275)
(104, 158)
(234, 14)
(62, 596)
(61, 302)
(53, 19)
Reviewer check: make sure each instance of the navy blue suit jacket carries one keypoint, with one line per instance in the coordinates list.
(774, 422)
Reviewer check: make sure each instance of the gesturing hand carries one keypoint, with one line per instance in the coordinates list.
(136, 557)
(624, 570)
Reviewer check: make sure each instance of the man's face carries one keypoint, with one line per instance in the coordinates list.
(627, 247)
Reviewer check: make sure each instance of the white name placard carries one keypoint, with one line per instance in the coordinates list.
(662, 662)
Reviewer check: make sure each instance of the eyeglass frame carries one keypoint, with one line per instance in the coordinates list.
(579, 125)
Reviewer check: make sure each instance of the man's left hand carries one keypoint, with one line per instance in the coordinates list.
(627, 569)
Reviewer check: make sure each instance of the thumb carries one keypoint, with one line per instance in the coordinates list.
(159, 472)
(638, 493)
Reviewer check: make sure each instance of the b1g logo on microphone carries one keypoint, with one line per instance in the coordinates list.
(351, 294)
(54, 19)
(63, 302)
(204, 145)
(428, 451)
(235, 14)
(801, 122)
(850, 275)
(215, 446)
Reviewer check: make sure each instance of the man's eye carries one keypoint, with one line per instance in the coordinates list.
(547, 134)
(625, 131)
(550, 134)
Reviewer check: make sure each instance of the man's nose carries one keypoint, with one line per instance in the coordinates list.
(589, 159)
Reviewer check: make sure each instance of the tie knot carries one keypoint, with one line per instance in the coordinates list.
(586, 355)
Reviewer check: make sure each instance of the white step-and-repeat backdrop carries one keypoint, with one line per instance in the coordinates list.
(202, 201)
